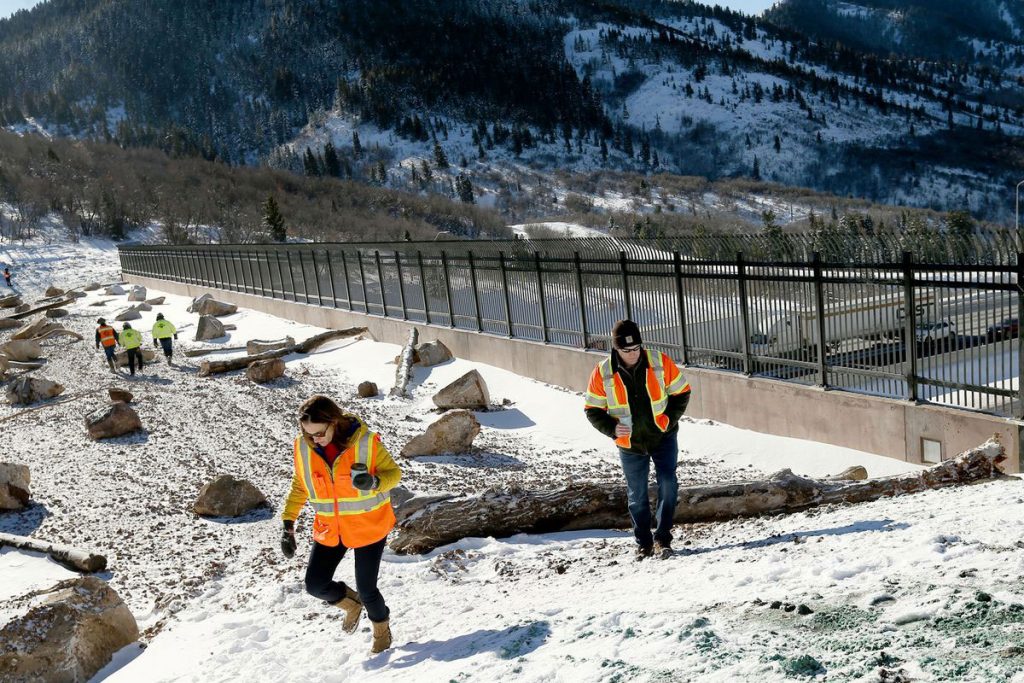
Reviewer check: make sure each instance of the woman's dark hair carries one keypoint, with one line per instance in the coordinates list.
(322, 410)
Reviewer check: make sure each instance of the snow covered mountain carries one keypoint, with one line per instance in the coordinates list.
(509, 92)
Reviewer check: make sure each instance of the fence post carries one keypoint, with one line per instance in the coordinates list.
(543, 302)
(504, 284)
(741, 272)
(348, 283)
(625, 286)
(362, 282)
(401, 287)
(280, 273)
(819, 302)
(423, 286)
(259, 273)
(476, 293)
(291, 275)
(448, 289)
(579, 292)
(380, 281)
(677, 265)
(302, 278)
(1020, 340)
(330, 276)
(316, 278)
(910, 328)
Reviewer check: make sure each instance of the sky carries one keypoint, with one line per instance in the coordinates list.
(745, 6)
(9, 7)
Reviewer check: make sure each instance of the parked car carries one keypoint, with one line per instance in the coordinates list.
(934, 332)
(1007, 328)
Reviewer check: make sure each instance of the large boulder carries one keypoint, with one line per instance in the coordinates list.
(209, 328)
(263, 371)
(114, 290)
(21, 308)
(121, 357)
(52, 291)
(453, 433)
(26, 390)
(256, 346)
(207, 305)
(367, 390)
(73, 634)
(137, 293)
(226, 496)
(119, 395)
(156, 301)
(130, 313)
(92, 286)
(22, 350)
(36, 328)
(10, 301)
(468, 391)
(8, 324)
(77, 295)
(432, 353)
(56, 313)
(112, 420)
(14, 490)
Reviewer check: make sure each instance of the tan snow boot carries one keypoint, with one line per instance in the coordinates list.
(353, 607)
(381, 636)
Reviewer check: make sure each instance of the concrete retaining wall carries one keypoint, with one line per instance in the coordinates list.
(877, 425)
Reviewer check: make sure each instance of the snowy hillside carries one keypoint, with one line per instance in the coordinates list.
(925, 585)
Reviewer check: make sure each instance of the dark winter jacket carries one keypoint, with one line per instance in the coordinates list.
(646, 436)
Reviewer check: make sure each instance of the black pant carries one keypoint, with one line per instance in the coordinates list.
(320, 583)
(165, 342)
(133, 356)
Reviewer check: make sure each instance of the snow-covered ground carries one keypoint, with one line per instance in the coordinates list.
(927, 584)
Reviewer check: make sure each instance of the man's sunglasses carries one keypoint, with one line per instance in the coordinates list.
(630, 349)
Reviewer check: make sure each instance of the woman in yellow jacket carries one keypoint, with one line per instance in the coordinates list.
(345, 473)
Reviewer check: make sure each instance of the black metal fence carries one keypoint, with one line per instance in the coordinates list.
(938, 333)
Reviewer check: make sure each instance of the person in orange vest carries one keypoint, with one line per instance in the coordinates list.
(636, 397)
(107, 337)
(345, 473)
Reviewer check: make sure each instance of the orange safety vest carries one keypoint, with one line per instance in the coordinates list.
(344, 514)
(607, 391)
(108, 337)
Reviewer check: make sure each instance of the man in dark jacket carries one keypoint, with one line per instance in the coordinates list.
(636, 396)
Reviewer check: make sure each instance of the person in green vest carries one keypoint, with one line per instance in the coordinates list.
(163, 330)
(131, 340)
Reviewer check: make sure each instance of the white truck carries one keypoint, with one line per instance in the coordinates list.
(870, 318)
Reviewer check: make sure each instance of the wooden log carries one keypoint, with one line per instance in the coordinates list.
(62, 332)
(73, 558)
(193, 353)
(61, 302)
(603, 506)
(25, 365)
(212, 367)
(404, 370)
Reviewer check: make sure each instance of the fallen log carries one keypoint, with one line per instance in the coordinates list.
(25, 365)
(193, 353)
(56, 304)
(212, 367)
(73, 558)
(58, 333)
(404, 370)
(588, 505)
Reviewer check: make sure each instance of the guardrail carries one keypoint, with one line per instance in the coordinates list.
(938, 333)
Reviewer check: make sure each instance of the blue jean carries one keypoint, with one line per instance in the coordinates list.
(636, 467)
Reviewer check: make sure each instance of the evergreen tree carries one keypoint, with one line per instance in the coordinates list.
(310, 164)
(273, 221)
(440, 159)
(756, 172)
(464, 188)
(357, 148)
(332, 164)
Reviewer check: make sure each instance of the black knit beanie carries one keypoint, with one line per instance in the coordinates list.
(625, 333)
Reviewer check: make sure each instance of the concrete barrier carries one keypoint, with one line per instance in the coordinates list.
(884, 426)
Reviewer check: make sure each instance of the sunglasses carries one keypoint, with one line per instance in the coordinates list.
(318, 435)
(630, 349)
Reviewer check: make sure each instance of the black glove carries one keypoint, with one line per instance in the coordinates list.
(288, 539)
(175, 335)
(364, 481)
